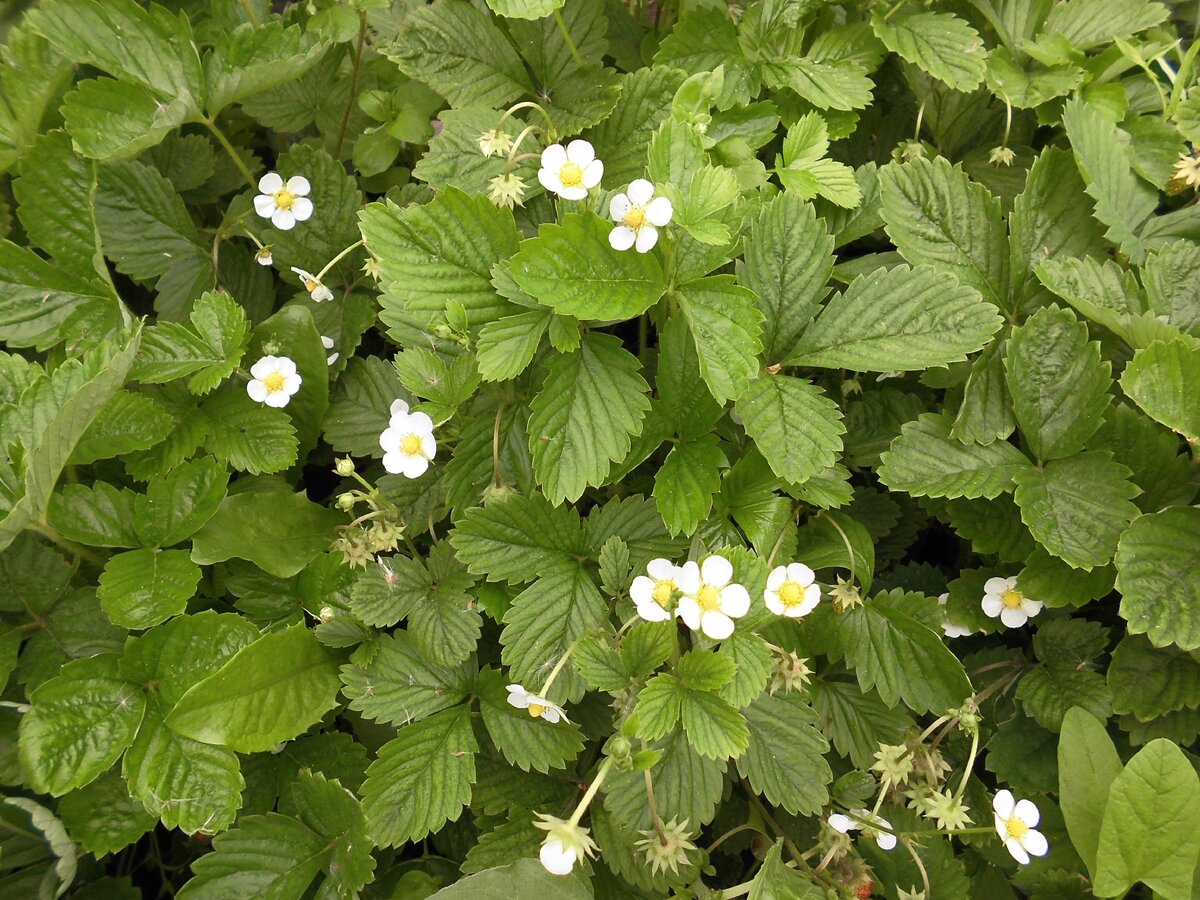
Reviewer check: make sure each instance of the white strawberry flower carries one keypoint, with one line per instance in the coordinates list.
(284, 203)
(639, 215)
(1016, 821)
(572, 171)
(263, 257)
(274, 380)
(844, 824)
(654, 593)
(709, 602)
(328, 343)
(1002, 599)
(536, 706)
(313, 285)
(564, 844)
(408, 443)
(791, 591)
(950, 629)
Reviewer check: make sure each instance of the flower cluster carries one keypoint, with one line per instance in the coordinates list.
(408, 443)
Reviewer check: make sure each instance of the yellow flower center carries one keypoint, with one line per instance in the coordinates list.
(571, 175)
(274, 382)
(708, 598)
(1012, 598)
(311, 284)
(1016, 828)
(635, 218)
(536, 709)
(791, 594)
(662, 592)
(411, 446)
(284, 198)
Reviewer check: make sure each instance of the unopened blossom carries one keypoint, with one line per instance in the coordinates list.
(313, 285)
(533, 704)
(273, 381)
(654, 593)
(328, 344)
(284, 203)
(950, 629)
(263, 257)
(1016, 821)
(495, 142)
(564, 844)
(570, 171)
(1001, 156)
(844, 824)
(506, 191)
(1002, 599)
(710, 602)
(791, 591)
(639, 215)
(668, 850)
(408, 443)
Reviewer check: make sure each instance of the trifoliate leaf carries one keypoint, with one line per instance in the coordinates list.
(726, 326)
(528, 742)
(939, 43)
(804, 168)
(279, 531)
(1159, 379)
(392, 682)
(785, 759)
(142, 588)
(1158, 576)
(209, 351)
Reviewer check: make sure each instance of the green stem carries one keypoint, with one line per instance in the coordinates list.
(591, 791)
(211, 125)
(738, 890)
(730, 833)
(562, 27)
(248, 6)
(77, 550)
(558, 666)
(962, 787)
(358, 52)
(846, 541)
(337, 259)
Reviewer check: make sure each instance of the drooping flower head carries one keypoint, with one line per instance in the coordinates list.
(319, 292)
(668, 850)
(639, 215)
(1016, 821)
(572, 171)
(1002, 599)
(264, 257)
(495, 142)
(506, 191)
(791, 591)
(284, 204)
(274, 380)
(654, 593)
(408, 443)
(844, 824)
(564, 844)
(536, 706)
(709, 602)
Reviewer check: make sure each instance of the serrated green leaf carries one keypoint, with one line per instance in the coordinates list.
(857, 722)
(102, 816)
(255, 59)
(684, 486)
(1059, 386)
(785, 759)
(452, 157)
(528, 742)
(795, 426)
(525, 877)
(421, 779)
(78, 724)
(1048, 691)
(51, 836)
(265, 856)
(1148, 682)
(686, 786)
(360, 406)
(714, 727)
(393, 683)
(623, 138)
(176, 505)
(1158, 381)
(1158, 575)
(42, 304)
(583, 421)
(506, 347)
(776, 881)
(33, 78)
(1171, 275)
(826, 84)
(1086, 23)
(516, 539)
(898, 319)
(571, 268)
(514, 839)
(269, 691)
(209, 351)
(659, 706)
(726, 326)
(279, 531)
(926, 461)
(127, 423)
(141, 588)
(115, 120)
(938, 43)
(752, 657)
(97, 516)
(986, 413)
(444, 622)
(805, 170)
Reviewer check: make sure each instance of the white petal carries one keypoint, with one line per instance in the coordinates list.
(1027, 812)
(552, 714)
(841, 823)
(812, 596)
(661, 569)
(572, 193)
(398, 407)
(303, 275)
(642, 590)
(647, 237)
(550, 180)
(716, 625)
(592, 173)
(1031, 607)
(640, 191)
(420, 423)
(263, 367)
(621, 237)
(393, 461)
(277, 399)
(389, 439)
(717, 571)
(688, 577)
(659, 211)
(1003, 803)
(327, 342)
(652, 612)
(517, 697)
(580, 152)
(257, 391)
(618, 206)
(414, 466)
(302, 208)
(428, 446)
(992, 605)
(264, 206)
(689, 611)
(556, 859)
(298, 185)
(801, 574)
(1013, 846)
(291, 384)
(735, 601)
(777, 577)
(270, 183)
(283, 220)
(321, 294)
(774, 604)
(943, 598)
(995, 586)
(1035, 843)
(285, 365)
(1013, 618)
(885, 840)
(554, 158)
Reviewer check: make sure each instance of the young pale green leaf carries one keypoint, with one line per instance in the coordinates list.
(785, 759)
(684, 486)
(571, 268)
(269, 691)
(726, 326)
(789, 257)
(1059, 386)
(1087, 765)
(209, 351)
(925, 460)
(255, 59)
(1148, 682)
(265, 856)
(98, 516)
(900, 319)
(795, 426)
(938, 43)
(516, 539)
(278, 531)
(506, 347)
(1050, 690)
(1151, 827)
(936, 215)
(142, 588)
(1158, 576)
(77, 725)
(441, 251)
(421, 779)
(102, 816)
(775, 880)
(1123, 200)
(715, 729)
(591, 405)
(528, 742)
(1078, 507)
(176, 505)
(393, 683)
(805, 170)
(1159, 380)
